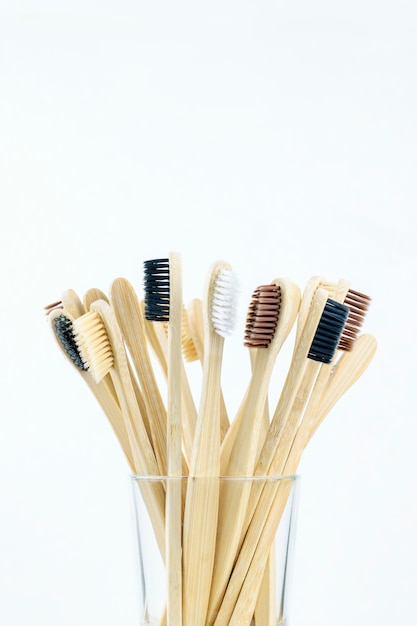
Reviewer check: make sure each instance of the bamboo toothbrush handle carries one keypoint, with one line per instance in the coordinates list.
(128, 312)
(279, 428)
(174, 446)
(266, 604)
(345, 373)
(291, 384)
(283, 424)
(349, 369)
(72, 303)
(202, 502)
(195, 314)
(242, 610)
(243, 585)
(61, 323)
(158, 339)
(142, 452)
(272, 311)
(114, 415)
(199, 539)
(92, 295)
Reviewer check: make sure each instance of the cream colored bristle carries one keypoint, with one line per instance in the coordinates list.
(93, 343)
(189, 349)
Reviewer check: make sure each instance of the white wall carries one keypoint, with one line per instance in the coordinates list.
(279, 136)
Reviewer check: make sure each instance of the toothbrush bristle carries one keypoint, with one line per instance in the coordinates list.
(358, 304)
(53, 306)
(156, 287)
(64, 330)
(93, 344)
(262, 317)
(189, 350)
(223, 302)
(329, 330)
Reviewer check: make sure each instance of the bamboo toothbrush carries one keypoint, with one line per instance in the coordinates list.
(193, 332)
(62, 327)
(128, 313)
(202, 499)
(271, 315)
(163, 303)
(346, 372)
(91, 295)
(191, 352)
(74, 308)
(316, 345)
(266, 605)
(101, 347)
(256, 339)
(317, 342)
(358, 305)
(216, 543)
(337, 292)
(158, 339)
(240, 600)
(72, 303)
(193, 347)
(53, 306)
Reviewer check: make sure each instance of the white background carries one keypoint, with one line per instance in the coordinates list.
(280, 136)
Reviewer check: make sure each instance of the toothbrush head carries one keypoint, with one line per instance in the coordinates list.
(157, 290)
(93, 345)
(189, 349)
(223, 301)
(63, 328)
(262, 317)
(328, 332)
(53, 306)
(358, 304)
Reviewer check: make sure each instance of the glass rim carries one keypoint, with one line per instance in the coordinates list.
(248, 478)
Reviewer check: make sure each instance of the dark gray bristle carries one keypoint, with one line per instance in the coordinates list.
(157, 290)
(329, 330)
(65, 333)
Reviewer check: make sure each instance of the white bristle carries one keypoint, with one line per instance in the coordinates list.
(93, 343)
(223, 303)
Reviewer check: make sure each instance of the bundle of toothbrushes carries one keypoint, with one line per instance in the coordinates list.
(115, 340)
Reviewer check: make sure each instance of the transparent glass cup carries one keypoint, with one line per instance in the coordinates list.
(255, 586)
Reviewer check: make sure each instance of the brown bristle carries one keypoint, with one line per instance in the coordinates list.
(262, 317)
(358, 304)
(53, 306)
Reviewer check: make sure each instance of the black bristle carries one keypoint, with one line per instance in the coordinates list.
(65, 333)
(329, 330)
(157, 289)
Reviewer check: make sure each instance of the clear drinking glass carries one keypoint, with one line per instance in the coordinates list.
(256, 590)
